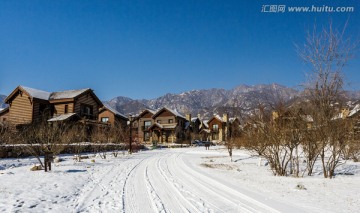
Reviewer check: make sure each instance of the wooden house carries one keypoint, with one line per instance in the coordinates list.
(221, 127)
(164, 126)
(143, 122)
(169, 126)
(109, 115)
(27, 105)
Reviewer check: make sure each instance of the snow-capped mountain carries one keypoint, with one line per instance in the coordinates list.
(209, 101)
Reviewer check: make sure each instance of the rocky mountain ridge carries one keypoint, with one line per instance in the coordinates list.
(206, 102)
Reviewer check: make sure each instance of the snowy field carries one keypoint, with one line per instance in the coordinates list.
(172, 180)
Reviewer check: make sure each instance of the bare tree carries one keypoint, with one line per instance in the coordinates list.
(327, 52)
(44, 137)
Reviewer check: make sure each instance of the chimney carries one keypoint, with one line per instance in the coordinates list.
(225, 117)
(188, 117)
(199, 116)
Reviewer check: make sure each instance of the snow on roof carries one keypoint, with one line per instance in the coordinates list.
(175, 112)
(218, 117)
(355, 110)
(107, 106)
(67, 94)
(62, 117)
(35, 93)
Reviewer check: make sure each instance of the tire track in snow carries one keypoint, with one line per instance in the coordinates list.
(157, 203)
(131, 205)
(239, 200)
(99, 188)
(184, 195)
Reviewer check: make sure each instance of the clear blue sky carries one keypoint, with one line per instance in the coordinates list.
(145, 49)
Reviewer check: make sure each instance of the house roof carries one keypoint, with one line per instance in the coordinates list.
(62, 117)
(217, 117)
(108, 107)
(147, 110)
(48, 96)
(34, 93)
(3, 110)
(67, 94)
(174, 112)
(156, 125)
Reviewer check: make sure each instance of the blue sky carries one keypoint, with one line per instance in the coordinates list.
(145, 49)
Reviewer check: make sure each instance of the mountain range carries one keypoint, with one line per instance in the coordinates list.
(206, 102)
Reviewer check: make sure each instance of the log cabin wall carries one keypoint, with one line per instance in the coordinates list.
(59, 108)
(21, 109)
(88, 100)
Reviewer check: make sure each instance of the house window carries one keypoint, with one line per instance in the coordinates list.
(104, 119)
(66, 110)
(158, 121)
(147, 124)
(215, 127)
(87, 111)
(171, 121)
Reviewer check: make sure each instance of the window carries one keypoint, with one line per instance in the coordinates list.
(104, 119)
(171, 121)
(4, 119)
(66, 110)
(147, 124)
(87, 111)
(158, 121)
(215, 127)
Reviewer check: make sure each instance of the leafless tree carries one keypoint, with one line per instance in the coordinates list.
(42, 137)
(327, 52)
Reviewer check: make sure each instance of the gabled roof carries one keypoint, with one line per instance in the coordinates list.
(146, 110)
(33, 93)
(49, 96)
(174, 112)
(156, 125)
(108, 107)
(217, 117)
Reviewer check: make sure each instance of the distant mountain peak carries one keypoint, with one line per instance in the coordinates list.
(208, 101)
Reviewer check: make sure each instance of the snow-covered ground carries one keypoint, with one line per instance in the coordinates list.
(171, 180)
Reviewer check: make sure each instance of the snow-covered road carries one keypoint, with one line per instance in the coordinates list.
(162, 181)
(168, 180)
